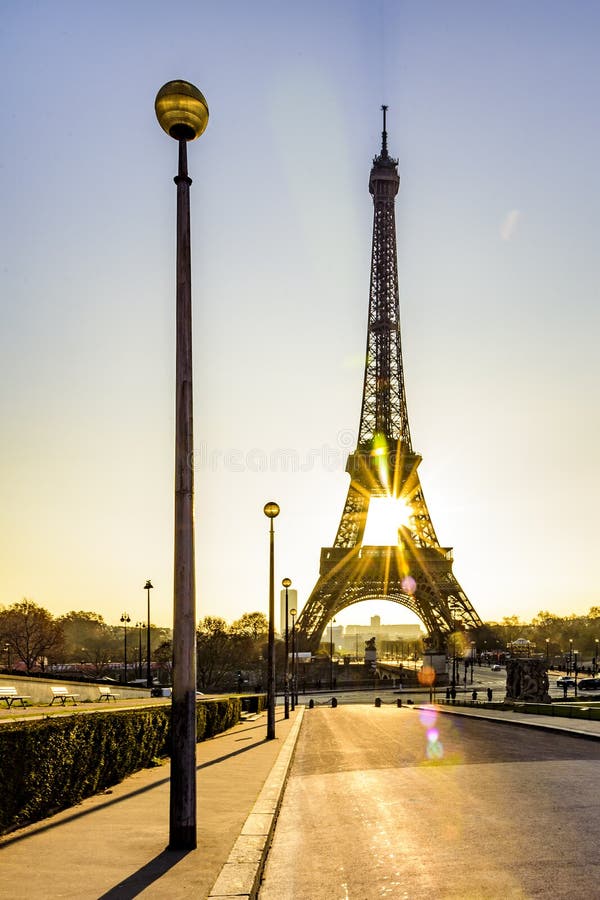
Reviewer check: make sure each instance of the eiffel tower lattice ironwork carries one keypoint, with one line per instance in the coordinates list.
(416, 571)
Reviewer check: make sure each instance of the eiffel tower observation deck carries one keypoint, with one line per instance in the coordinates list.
(415, 571)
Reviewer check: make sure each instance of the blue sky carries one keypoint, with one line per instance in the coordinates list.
(493, 116)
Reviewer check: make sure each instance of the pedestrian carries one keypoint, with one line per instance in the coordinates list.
(489, 695)
(474, 696)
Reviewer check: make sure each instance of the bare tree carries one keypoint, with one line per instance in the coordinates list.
(31, 632)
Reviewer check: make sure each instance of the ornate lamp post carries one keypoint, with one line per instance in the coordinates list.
(148, 587)
(271, 511)
(182, 112)
(294, 693)
(287, 584)
(125, 620)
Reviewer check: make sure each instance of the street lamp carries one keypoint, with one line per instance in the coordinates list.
(182, 112)
(595, 656)
(148, 587)
(547, 652)
(576, 673)
(125, 620)
(287, 582)
(294, 695)
(331, 624)
(472, 659)
(271, 510)
(6, 649)
(139, 626)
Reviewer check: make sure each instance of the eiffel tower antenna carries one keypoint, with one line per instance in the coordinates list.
(416, 571)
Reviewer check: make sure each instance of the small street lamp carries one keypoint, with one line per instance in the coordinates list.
(472, 659)
(294, 695)
(271, 511)
(148, 587)
(576, 670)
(287, 582)
(6, 649)
(595, 656)
(547, 651)
(125, 621)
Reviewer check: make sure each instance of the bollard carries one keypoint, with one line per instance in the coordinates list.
(399, 702)
(311, 703)
(377, 701)
(333, 702)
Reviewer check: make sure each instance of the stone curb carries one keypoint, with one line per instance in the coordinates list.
(521, 723)
(240, 876)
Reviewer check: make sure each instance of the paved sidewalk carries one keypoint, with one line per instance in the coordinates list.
(113, 845)
(584, 728)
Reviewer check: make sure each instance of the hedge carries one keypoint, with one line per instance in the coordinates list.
(51, 764)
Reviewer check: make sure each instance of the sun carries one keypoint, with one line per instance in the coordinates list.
(386, 515)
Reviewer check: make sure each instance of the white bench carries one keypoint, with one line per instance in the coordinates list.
(107, 694)
(10, 695)
(62, 694)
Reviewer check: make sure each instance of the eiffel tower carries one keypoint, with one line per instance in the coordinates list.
(416, 571)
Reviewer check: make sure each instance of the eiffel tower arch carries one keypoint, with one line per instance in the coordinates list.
(415, 571)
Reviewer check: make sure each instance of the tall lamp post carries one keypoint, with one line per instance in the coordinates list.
(125, 621)
(472, 659)
(595, 656)
(294, 692)
(148, 587)
(182, 112)
(271, 511)
(287, 582)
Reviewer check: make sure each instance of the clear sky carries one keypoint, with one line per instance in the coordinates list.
(493, 113)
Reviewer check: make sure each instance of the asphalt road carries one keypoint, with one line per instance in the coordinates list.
(399, 803)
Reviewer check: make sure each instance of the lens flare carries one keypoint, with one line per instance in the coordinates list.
(409, 585)
(428, 716)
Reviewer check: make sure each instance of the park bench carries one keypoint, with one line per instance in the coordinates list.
(107, 694)
(10, 695)
(62, 694)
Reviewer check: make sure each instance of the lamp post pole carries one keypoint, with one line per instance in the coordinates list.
(271, 510)
(547, 652)
(148, 587)
(125, 620)
(139, 627)
(472, 659)
(576, 673)
(286, 688)
(570, 656)
(182, 112)
(331, 622)
(294, 697)
(595, 656)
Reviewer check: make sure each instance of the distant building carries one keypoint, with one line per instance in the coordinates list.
(401, 636)
(292, 604)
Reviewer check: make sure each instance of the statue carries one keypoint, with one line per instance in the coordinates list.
(527, 679)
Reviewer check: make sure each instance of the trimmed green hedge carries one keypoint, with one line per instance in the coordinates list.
(54, 763)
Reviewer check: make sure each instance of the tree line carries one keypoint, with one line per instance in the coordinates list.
(33, 640)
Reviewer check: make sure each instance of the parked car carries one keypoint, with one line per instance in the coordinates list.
(565, 681)
(589, 684)
(496, 668)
